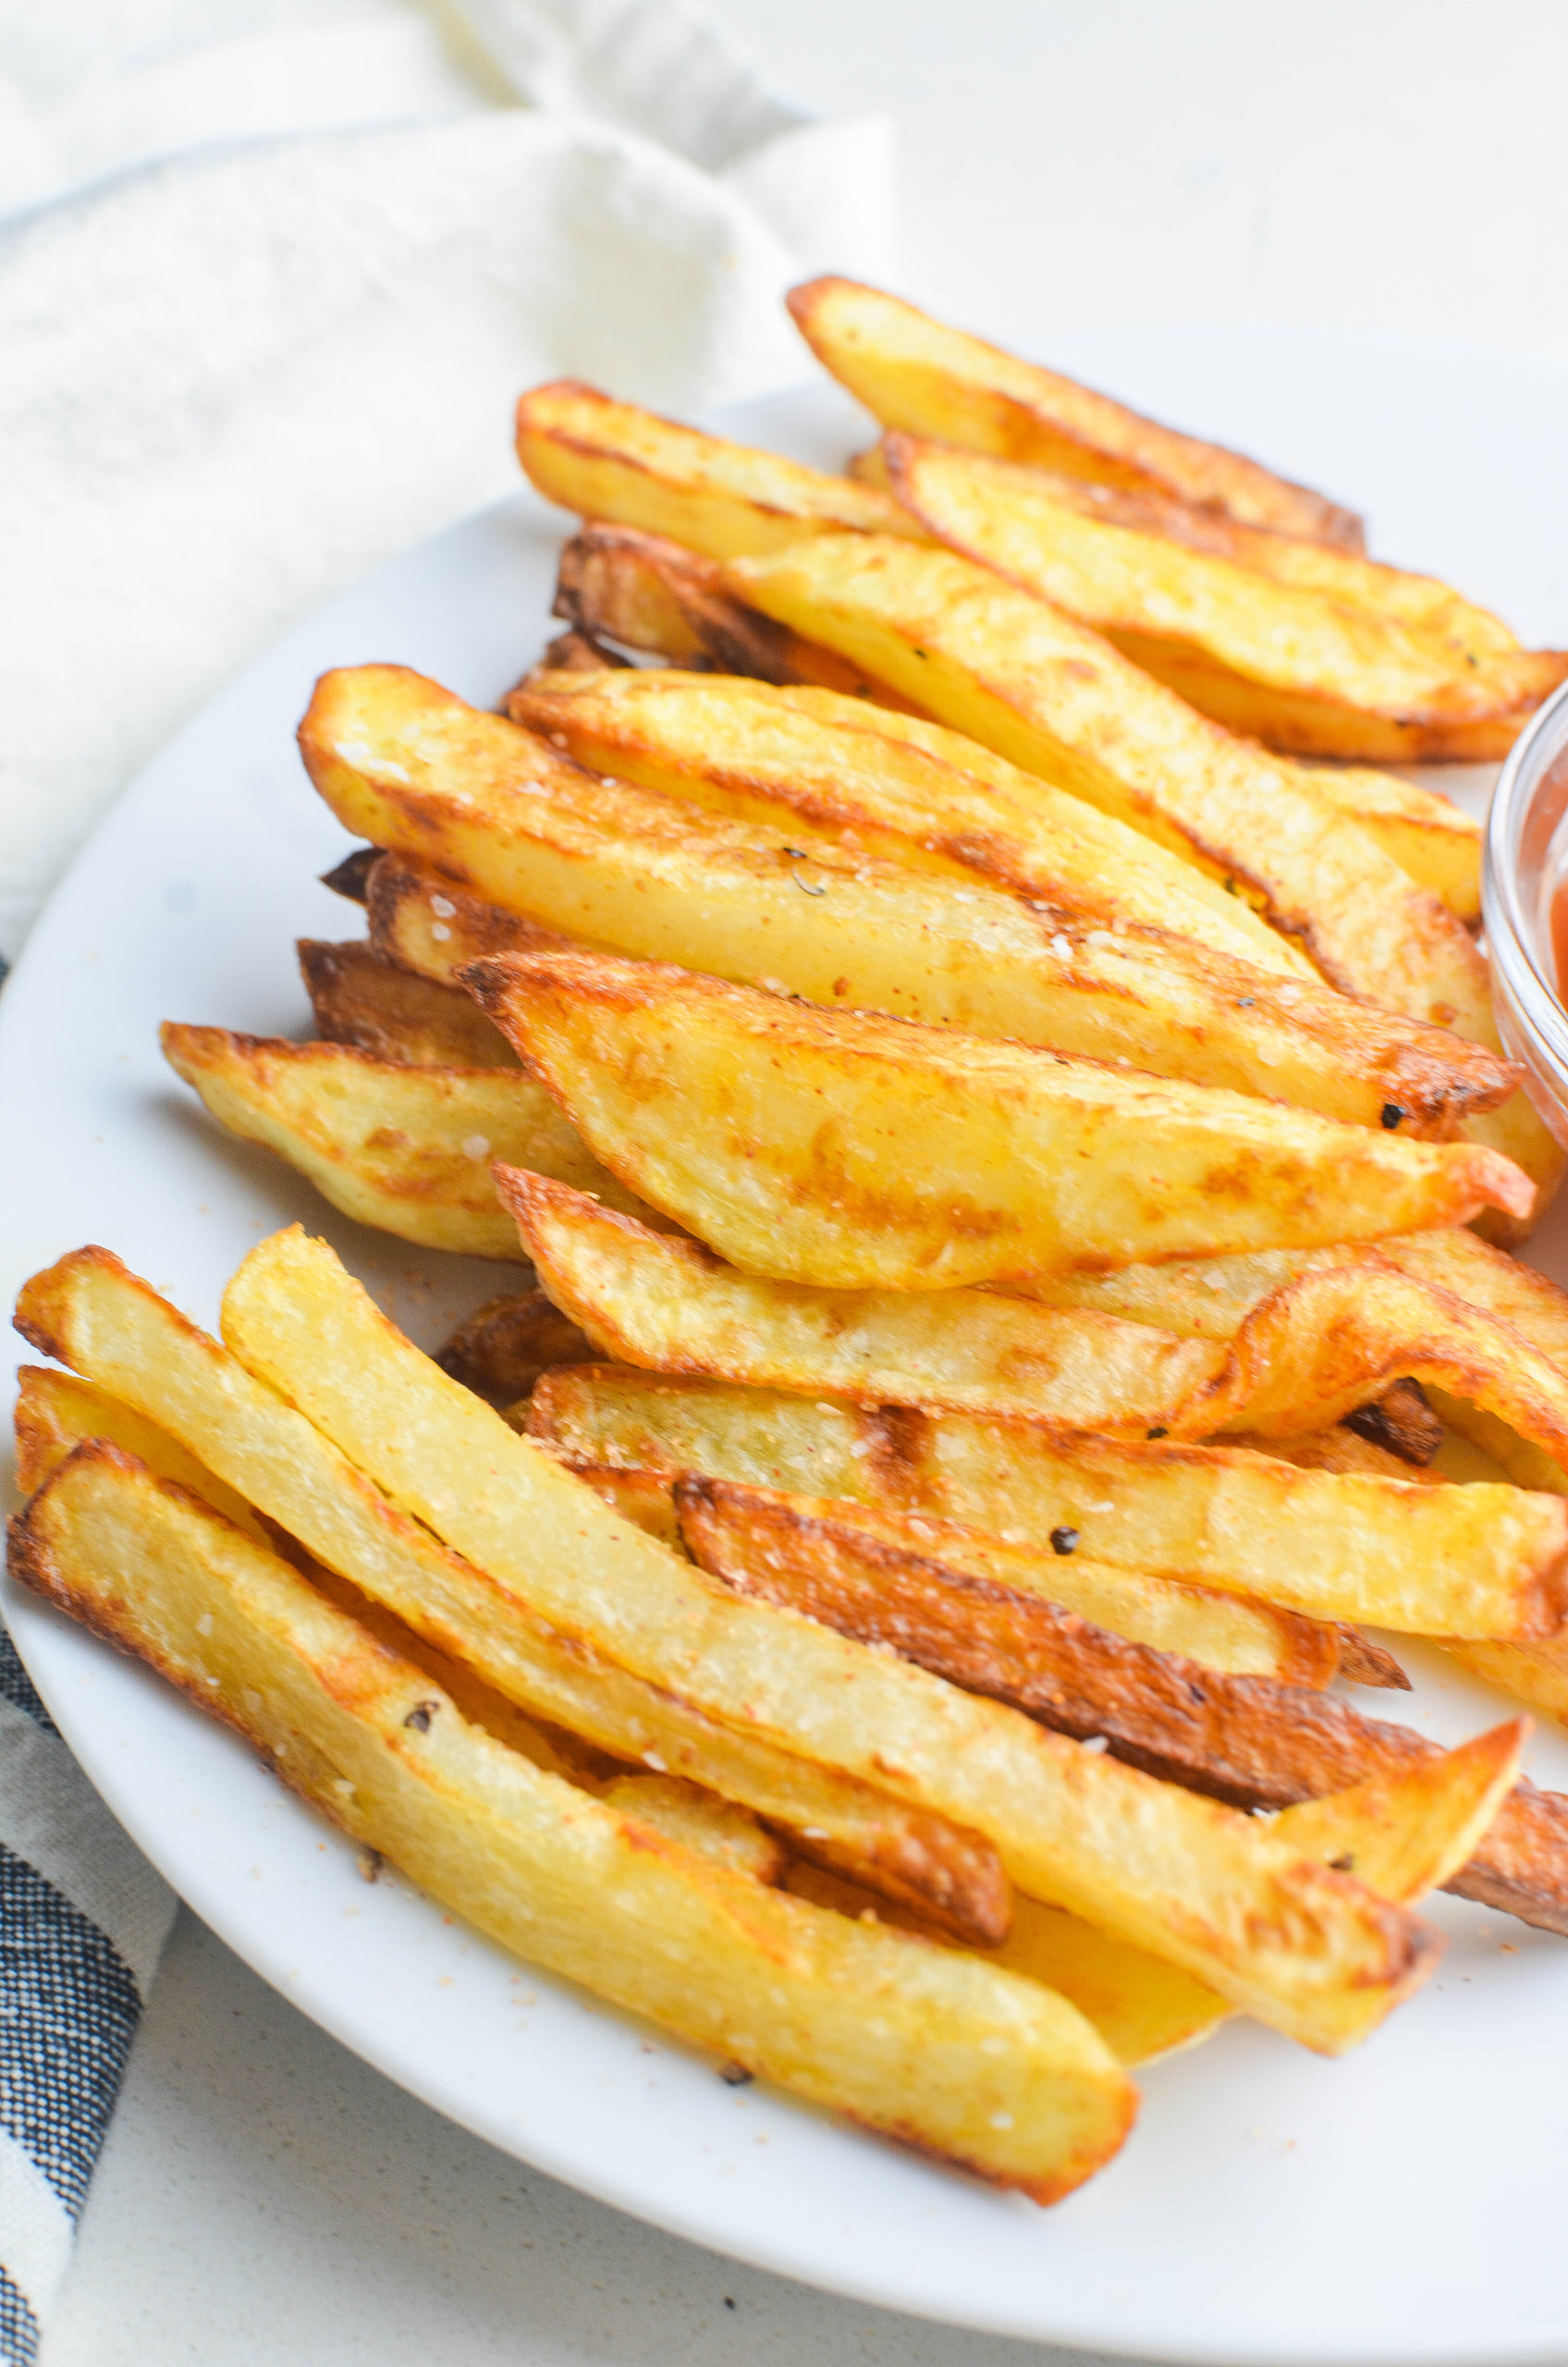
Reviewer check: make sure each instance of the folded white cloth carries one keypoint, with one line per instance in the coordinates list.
(238, 374)
(247, 362)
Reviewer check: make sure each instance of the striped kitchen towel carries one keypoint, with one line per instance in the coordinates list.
(83, 1919)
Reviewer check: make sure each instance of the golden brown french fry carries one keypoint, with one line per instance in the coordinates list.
(1467, 1562)
(1237, 1633)
(702, 1821)
(1427, 835)
(1158, 1866)
(923, 2043)
(1249, 1740)
(644, 1298)
(406, 1150)
(654, 596)
(422, 921)
(501, 1349)
(651, 877)
(360, 997)
(1406, 1835)
(912, 372)
(896, 786)
(1298, 668)
(612, 460)
(90, 1312)
(56, 1410)
(853, 1151)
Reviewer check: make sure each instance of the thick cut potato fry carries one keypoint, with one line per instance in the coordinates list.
(644, 1299)
(425, 922)
(702, 1821)
(858, 1152)
(1161, 1867)
(914, 373)
(652, 877)
(406, 1150)
(501, 1349)
(90, 1312)
(360, 997)
(56, 1410)
(1427, 835)
(923, 2043)
(1406, 1835)
(610, 459)
(912, 790)
(1246, 1739)
(1302, 669)
(654, 596)
(1474, 1561)
(1053, 697)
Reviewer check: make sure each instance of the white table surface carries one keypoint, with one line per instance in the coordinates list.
(1387, 164)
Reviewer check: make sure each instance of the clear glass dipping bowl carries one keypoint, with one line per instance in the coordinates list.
(1527, 863)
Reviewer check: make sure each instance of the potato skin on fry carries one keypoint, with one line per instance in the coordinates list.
(853, 2016)
(360, 997)
(854, 1151)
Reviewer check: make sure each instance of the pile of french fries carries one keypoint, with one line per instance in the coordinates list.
(1014, 1185)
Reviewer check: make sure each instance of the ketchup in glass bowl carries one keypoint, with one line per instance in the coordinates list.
(1525, 908)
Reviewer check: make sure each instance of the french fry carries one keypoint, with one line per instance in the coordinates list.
(701, 1821)
(1249, 1740)
(1406, 1835)
(90, 1312)
(501, 1349)
(422, 921)
(654, 596)
(406, 1150)
(1428, 836)
(360, 997)
(651, 877)
(612, 460)
(855, 1152)
(1298, 668)
(925, 2044)
(644, 1299)
(55, 1411)
(1155, 1864)
(1474, 1561)
(914, 373)
(1053, 697)
(898, 787)
(1236, 1633)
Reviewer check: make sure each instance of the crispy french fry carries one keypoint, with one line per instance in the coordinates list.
(852, 1151)
(652, 877)
(1249, 1740)
(1427, 835)
(1300, 669)
(1408, 1835)
(56, 1410)
(360, 997)
(611, 460)
(655, 596)
(404, 1148)
(1237, 1633)
(1157, 1865)
(925, 2044)
(645, 1299)
(90, 1312)
(1431, 1561)
(914, 373)
(904, 788)
(422, 921)
(501, 1349)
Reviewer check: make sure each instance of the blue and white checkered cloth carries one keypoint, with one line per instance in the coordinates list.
(83, 1919)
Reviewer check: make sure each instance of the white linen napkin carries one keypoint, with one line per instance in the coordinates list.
(266, 300)
(257, 360)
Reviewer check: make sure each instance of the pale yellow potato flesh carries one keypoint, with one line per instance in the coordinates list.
(55, 1411)
(1313, 672)
(1427, 835)
(923, 2043)
(856, 1152)
(403, 1147)
(915, 373)
(613, 459)
(1487, 1562)
(649, 875)
(1167, 1871)
(90, 1312)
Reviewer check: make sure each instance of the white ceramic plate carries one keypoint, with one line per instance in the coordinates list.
(1402, 2206)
